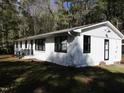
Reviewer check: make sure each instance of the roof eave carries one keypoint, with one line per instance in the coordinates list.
(115, 29)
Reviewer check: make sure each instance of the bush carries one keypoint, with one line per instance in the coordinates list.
(22, 53)
(7, 50)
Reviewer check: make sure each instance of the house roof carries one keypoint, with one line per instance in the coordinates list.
(85, 27)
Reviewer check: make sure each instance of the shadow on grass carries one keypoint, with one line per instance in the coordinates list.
(22, 77)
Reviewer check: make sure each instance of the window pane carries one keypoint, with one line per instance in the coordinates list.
(61, 44)
(64, 45)
(43, 46)
(40, 44)
(20, 44)
(26, 44)
(87, 41)
(106, 50)
(31, 42)
(36, 44)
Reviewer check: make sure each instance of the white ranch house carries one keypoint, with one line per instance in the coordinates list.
(79, 46)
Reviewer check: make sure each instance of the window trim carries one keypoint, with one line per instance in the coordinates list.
(106, 49)
(59, 43)
(26, 42)
(31, 43)
(20, 44)
(39, 45)
(88, 50)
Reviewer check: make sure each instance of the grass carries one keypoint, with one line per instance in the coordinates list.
(34, 77)
(8, 58)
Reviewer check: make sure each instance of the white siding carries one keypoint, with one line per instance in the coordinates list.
(97, 46)
(101, 33)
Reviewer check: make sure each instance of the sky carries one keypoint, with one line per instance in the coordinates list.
(53, 4)
(65, 5)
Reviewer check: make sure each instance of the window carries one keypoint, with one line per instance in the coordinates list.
(16, 44)
(26, 44)
(20, 44)
(87, 43)
(40, 44)
(61, 44)
(31, 42)
(106, 49)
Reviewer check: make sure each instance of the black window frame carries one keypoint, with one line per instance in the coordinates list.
(58, 44)
(20, 44)
(40, 44)
(26, 43)
(31, 43)
(106, 40)
(86, 44)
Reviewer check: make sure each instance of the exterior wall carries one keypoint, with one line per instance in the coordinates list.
(97, 46)
(16, 50)
(50, 55)
(75, 55)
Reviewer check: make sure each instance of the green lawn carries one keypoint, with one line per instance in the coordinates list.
(34, 77)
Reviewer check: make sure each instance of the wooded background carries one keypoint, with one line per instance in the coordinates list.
(22, 18)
